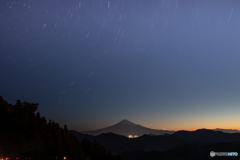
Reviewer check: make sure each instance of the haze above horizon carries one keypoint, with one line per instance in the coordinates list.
(164, 64)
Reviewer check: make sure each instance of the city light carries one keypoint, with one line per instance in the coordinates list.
(131, 136)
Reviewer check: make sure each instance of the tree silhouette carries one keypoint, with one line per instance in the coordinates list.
(25, 134)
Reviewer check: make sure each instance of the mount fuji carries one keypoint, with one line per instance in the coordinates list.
(127, 128)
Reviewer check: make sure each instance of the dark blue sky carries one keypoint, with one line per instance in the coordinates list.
(165, 64)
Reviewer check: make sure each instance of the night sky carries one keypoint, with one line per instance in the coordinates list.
(164, 64)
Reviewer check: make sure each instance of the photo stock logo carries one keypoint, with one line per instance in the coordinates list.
(212, 153)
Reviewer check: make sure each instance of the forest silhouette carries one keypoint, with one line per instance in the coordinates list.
(27, 135)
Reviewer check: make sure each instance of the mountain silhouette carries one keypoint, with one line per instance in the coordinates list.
(227, 130)
(203, 136)
(186, 152)
(127, 128)
(119, 143)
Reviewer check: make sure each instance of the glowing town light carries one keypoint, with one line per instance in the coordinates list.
(131, 136)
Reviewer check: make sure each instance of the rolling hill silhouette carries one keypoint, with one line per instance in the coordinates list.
(127, 128)
(204, 136)
(186, 152)
(227, 130)
(120, 144)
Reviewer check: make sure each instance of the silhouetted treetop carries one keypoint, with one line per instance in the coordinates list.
(24, 133)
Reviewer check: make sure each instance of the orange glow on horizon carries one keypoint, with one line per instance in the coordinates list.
(194, 126)
(191, 124)
(200, 127)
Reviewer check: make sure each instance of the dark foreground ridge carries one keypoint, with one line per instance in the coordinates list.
(188, 152)
(27, 135)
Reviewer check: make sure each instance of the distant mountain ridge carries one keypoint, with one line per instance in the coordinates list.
(126, 128)
(119, 144)
(227, 130)
(204, 136)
